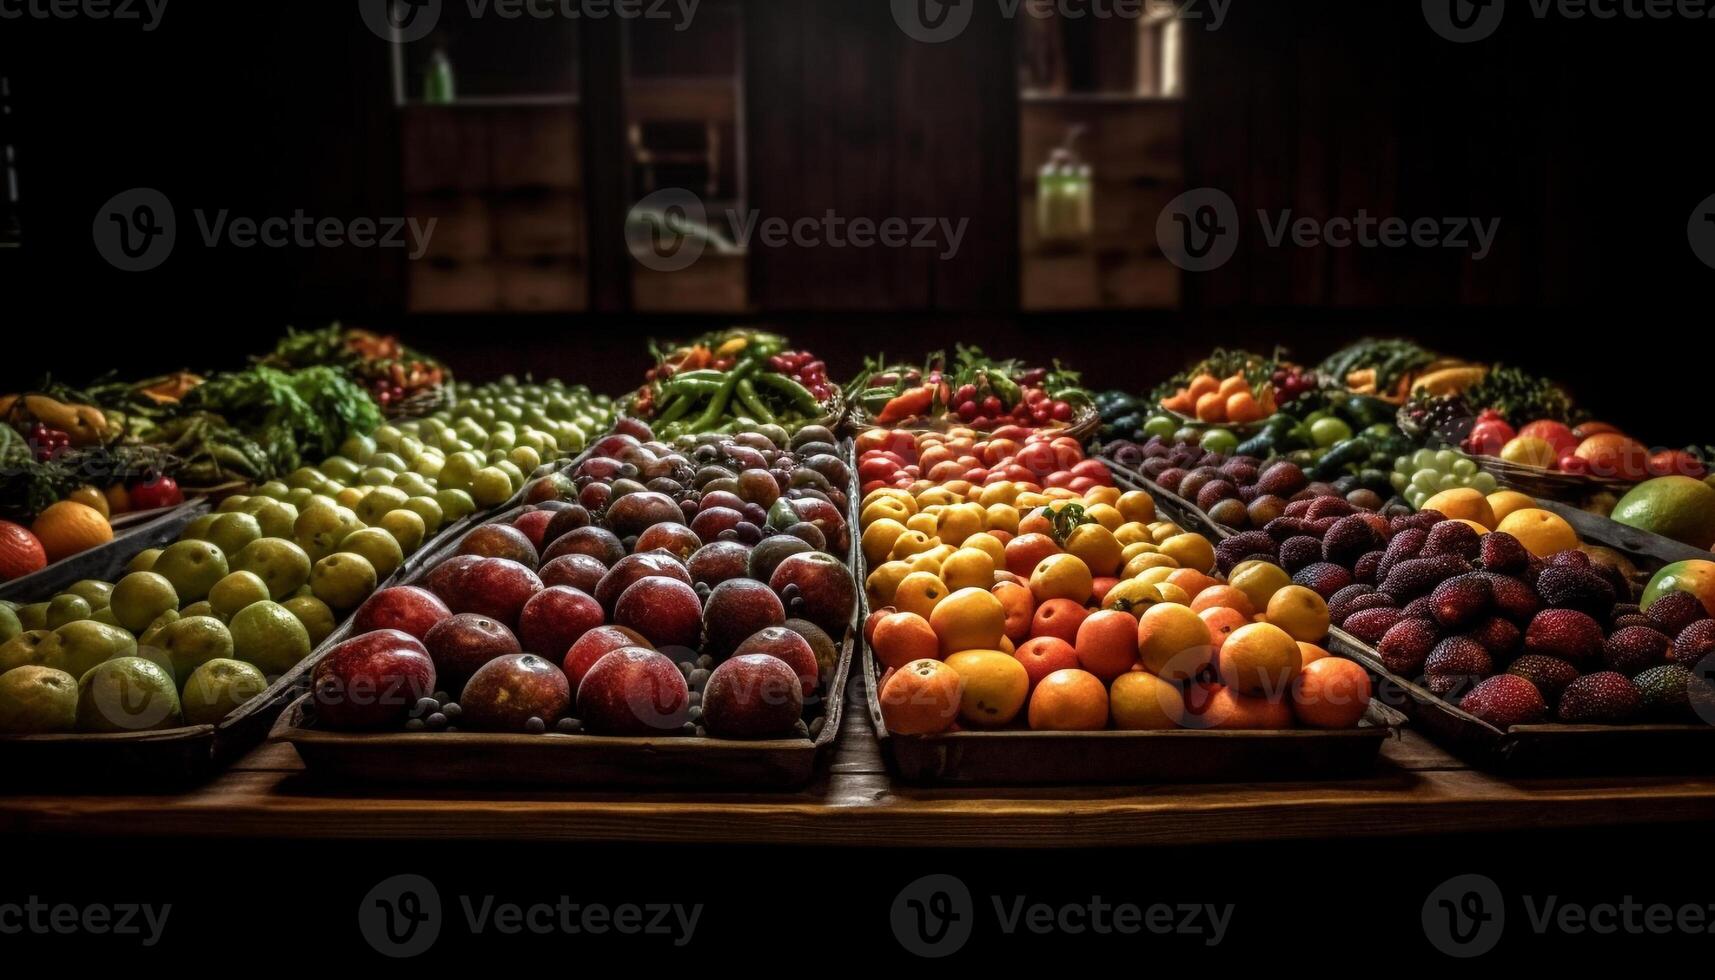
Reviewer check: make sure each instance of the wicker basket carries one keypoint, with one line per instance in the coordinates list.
(1552, 484)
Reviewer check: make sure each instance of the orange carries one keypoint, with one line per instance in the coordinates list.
(903, 637)
(1019, 605)
(1026, 551)
(968, 568)
(1232, 385)
(1058, 617)
(920, 593)
(1331, 693)
(91, 497)
(1069, 701)
(118, 499)
(1190, 551)
(921, 698)
(1211, 408)
(1260, 659)
(995, 686)
(1259, 580)
(1096, 547)
(1504, 502)
(989, 545)
(1242, 407)
(1463, 503)
(1311, 652)
(1223, 595)
(1062, 577)
(1203, 384)
(68, 528)
(1135, 505)
(1301, 612)
(1222, 620)
(969, 619)
(1229, 709)
(20, 552)
(1173, 641)
(1141, 701)
(1107, 643)
(1192, 580)
(879, 539)
(1542, 532)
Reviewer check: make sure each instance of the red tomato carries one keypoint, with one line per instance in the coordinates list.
(1095, 469)
(1059, 478)
(1038, 459)
(1014, 432)
(875, 469)
(1067, 457)
(162, 491)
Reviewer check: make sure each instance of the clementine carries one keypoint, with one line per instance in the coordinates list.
(1331, 693)
(969, 619)
(1107, 643)
(1173, 641)
(903, 637)
(1069, 701)
(1141, 701)
(69, 528)
(1058, 617)
(921, 698)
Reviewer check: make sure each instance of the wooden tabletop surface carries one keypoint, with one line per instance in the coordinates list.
(1416, 789)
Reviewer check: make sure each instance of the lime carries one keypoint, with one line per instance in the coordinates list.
(276, 518)
(193, 641)
(378, 502)
(414, 485)
(84, 644)
(217, 687)
(197, 527)
(1160, 425)
(97, 594)
(67, 608)
(144, 560)
(341, 469)
(231, 532)
(281, 564)
(383, 550)
(9, 625)
(455, 504)
(1327, 431)
(343, 580)
(406, 527)
(322, 526)
(130, 694)
(37, 701)
(193, 567)
(268, 635)
(33, 616)
(231, 504)
(27, 648)
(151, 637)
(235, 592)
(314, 614)
(1219, 441)
(141, 597)
(428, 509)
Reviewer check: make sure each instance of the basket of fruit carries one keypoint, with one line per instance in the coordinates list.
(1020, 633)
(1505, 640)
(974, 391)
(404, 382)
(676, 633)
(734, 380)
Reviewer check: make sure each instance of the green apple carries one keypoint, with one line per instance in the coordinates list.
(36, 700)
(343, 580)
(193, 567)
(218, 687)
(281, 564)
(141, 597)
(268, 635)
(87, 643)
(129, 694)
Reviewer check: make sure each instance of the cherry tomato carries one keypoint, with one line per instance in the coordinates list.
(162, 491)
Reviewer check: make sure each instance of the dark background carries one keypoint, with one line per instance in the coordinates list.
(1585, 137)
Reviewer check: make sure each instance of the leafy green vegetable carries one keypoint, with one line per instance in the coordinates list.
(1520, 396)
(291, 415)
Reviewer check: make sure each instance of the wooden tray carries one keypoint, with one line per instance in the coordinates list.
(132, 537)
(553, 759)
(1596, 529)
(1545, 749)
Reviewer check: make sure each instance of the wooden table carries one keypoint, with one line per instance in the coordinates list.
(1416, 789)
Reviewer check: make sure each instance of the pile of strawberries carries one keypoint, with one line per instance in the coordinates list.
(1512, 638)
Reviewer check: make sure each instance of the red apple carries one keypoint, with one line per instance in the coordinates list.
(633, 691)
(789, 647)
(597, 542)
(462, 644)
(593, 646)
(580, 572)
(636, 512)
(665, 610)
(555, 618)
(500, 541)
(567, 518)
(711, 521)
(554, 486)
(443, 579)
(405, 608)
(633, 567)
(674, 538)
(736, 609)
(371, 681)
(534, 524)
(496, 587)
(752, 696)
(505, 693)
(824, 587)
(718, 561)
(1044, 655)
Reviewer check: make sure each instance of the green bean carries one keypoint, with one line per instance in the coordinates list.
(675, 408)
(748, 397)
(796, 394)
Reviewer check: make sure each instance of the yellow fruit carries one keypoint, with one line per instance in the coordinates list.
(968, 568)
(1096, 546)
(1002, 517)
(1465, 503)
(1190, 551)
(93, 498)
(883, 493)
(1172, 593)
(1473, 525)
(920, 593)
(884, 581)
(1141, 701)
(969, 619)
(1106, 515)
(1131, 596)
(1301, 612)
(1162, 530)
(960, 522)
(1260, 660)
(1138, 564)
(936, 495)
(1542, 532)
(1002, 492)
(995, 686)
(885, 507)
(1154, 576)
(989, 545)
(1061, 576)
(924, 523)
(1101, 496)
(910, 543)
(1259, 581)
(1173, 641)
(1504, 502)
(1137, 506)
(879, 537)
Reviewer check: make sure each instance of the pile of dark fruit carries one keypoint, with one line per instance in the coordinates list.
(1239, 491)
(691, 589)
(1510, 637)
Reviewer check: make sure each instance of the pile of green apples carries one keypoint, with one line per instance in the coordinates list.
(195, 629)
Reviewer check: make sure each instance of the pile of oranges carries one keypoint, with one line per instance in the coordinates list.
(1007, 602)
(64, 529)
(1223, 400)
